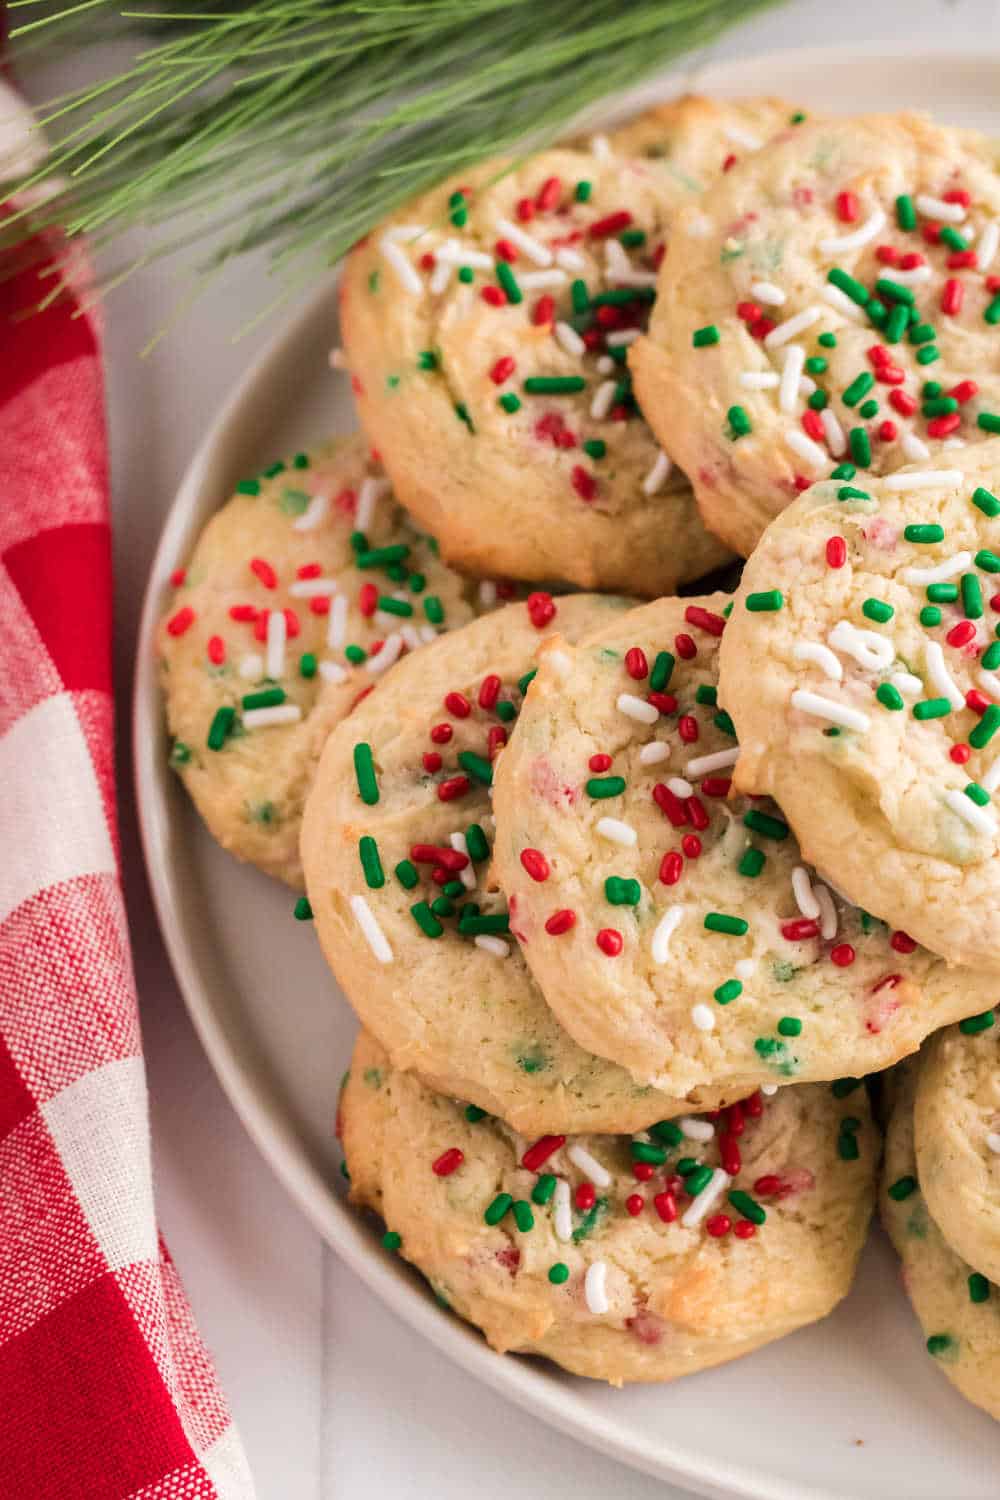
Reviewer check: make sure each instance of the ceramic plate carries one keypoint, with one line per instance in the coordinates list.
(849, 1410)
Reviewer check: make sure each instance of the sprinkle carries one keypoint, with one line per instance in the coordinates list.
(987, 727)
(763, 823)
(696, 1130)
(766, 602)
(717, 921)
(704, 765)
(804, 448)
(600, 787)
(265, 718)
(277, 631)
(940, 677)
(972, 596)
(302, 910)
(702, 1018)
(580, 1157)
(860, 447)
(658, 475)
(739, 422)
(940, 208)
(407, 276)
(536, 252)
(982, 819)
(946, 569)
(653, 753)
(562, 1213)
(337, 627)
(792, 327)
(371, 931)
(878, 610)
(221, 727)
(913, 448)
(391, 651)
(594, 1288)
(716, 1184)
(364, 770)
(767, 292)
(569, 340)
(603, 400)
(664, 931)
(559, 1272)
(863, 235)
(975, 1024)
(805, 897)
(826, 708)
(842, 303)
(703, 337)
(929, 479)
(617, 831)
(822, 656)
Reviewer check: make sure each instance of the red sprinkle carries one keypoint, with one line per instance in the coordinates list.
(957, 195)
(548, 194)
(716, 786)
(887, 254)
(847, 207)
(642, 1171)
(368, 599)
(432, 761)
(609, 941)
(525, 210)
(181, 621)
(494, 295)
(812, 424)
(495, 740)
(718, 1225)
(264, 572)
(836, 552)
(292, 626)
(536, 864)
(541, 609)
(730, 161)
(455, 786)
(634, 1204)
(799, 930)
(911, 260)
(636, 664)
(671, 866)
(887, 431)
(441, 734)
(977, 701)
(538, 1154)
(961, 634)
(319, 605)
(584, 483)
(843, 955)
(560, 922)
(960, 754)
(599, 763)
(489, 691)
(729, 1154)
(544, 312)
(748, 311)
(902, 942)
(685, 647)
(427, 261)
(309, 570)
(687, 728)
(448, 1162)
(177, 577)
(666, 1206)
(216, 649)
(433, 854)
(611, 224)
(504, 250)
(691, 845)
(503, 369)
(761, 327)
(753, 1105)
(458, 704)
(964, 390)
(665, 702)
(767, 1185)
(585, 1196)
(744, 1229)
(903, 402)
(704, 619)
(696, 812)
(939, 427)
(670, 805)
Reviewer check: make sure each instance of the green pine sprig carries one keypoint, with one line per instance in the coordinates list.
(299, 124)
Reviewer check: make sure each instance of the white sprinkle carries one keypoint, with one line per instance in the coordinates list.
(601, 147)
(392, 649)
(827, 913)
(942, 570)
(637, 708)
(603, 399)
(826, 708)
(658, 474)
(704, 765)
(373, 933)
(458, 254)
(570, 260)
(914, 448)
(993, 1141)
(806, 385)
(870, 650)
(618, 832)
(915, 276)
(791, 372)
(954, 442)
(680, 787)
(769, 1089)
(662, 933)
(741, 137)
(759, 380)
(405, 274)
(540, 254)
(810, 452)
(411, 637)
(990, 778)
(312, 588)
(581, 1157)
(277, 630)
(336, 629)
(615, 257)
(490, 944)
(403, 233)
(622, 337)
(792, 327)
(332, 671)
(653, 753)
(982, 819)
(907, 684)
(467, 875)
(562, 1215)
(605, 365)
(702, 1017)
(988, 244)
(635, 278)
(487, 593)
(930, 479)
(338, 360)
(696, 1130)
(251, 666)
(805, 896)
(593, 1288)
(767, 292)
(440, 277)
(991, 682)
(940, 676)
(842, 303)
(537, 281)
(821, 656)
(567, 338)
(265, 718)
(709, 1195)
(836, 441)
(937, 208)
(863, 235)
(429, 633)
(371, 492)
(314, 514)
(743, 968)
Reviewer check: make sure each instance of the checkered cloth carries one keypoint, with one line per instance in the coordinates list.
(106, 1390)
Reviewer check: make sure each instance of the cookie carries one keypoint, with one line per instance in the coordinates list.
(621, 1258)
(487, 324)
(958, 1308)
(271, 633)
(694, 139)
(831, 304)
(673, 926)
(396, 850)
(957, 1124)
(860, 669)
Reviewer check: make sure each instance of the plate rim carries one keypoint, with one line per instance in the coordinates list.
(526, 1382)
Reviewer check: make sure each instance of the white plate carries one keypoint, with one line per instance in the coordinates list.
(852, 1409)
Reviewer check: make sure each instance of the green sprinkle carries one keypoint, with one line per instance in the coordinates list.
(663, 666)
(632, 238)
(302, 910)
(500, 1205)
(789, 1026)
(868, 409)
(600, 787)
(697, 1181)
(747, 1206)
(686, 1166)
(847, 1146)
(391, 1240)
(442, 907)
(370, 863)
(706, 694)
(554, 385)
(583, 191)
(930, 616)
(416, 583)
(876, 609)
(452, 888)
(906, 214)
(474, 926)
(702, 337)
(510, 402)
(992, 313)
(817, 365)
(988, 561)
(894, 290)
(391, 606)
(525, 682)
(989, 422)
(902, 1188)
(474, 1114)
(828, 340)
(221, 726)
(508, 281)
(851, 492)
(859, 386)
(950, 236)
(364, 770)
(888, 696)
(895, 323)
(818, 400)
(752, 863)
(843, 471)
(975, 1024)
(308, 665)
(719, 921)
(579, 296)
(523, 1217)
(942, 593)
(621, 892)
(722, 721)
(939, 406)
(543, 1188)
(739, 422)
(180, 753)
(798, 117)
(939, 1343)
(406, 874)
(426, 920)
(668, 1131)
(266, 698)
(595, 447)
(462, 413)
(378, 557)
(861, 448)
(643, 1151)
(359, 543)
(730, 990)
(991, 657)
(972, 596)
(928, 354)
(761, 822)
(466, 274)
(923, 333)
(477, 843)
(434, 609)
(847, 284)
(477, 766)
(248, 487)
(559, 1272)
(766, 602)
(842, 1087)
(427, 360)
(977, 794)
(505, 710)
(924, 533)
(979, 1287)
(931, 708)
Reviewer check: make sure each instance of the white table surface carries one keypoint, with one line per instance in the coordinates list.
(335, 1399)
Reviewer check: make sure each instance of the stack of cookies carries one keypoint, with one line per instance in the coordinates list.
(630, 897)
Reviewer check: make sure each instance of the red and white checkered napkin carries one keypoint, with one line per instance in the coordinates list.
(106, 1390)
